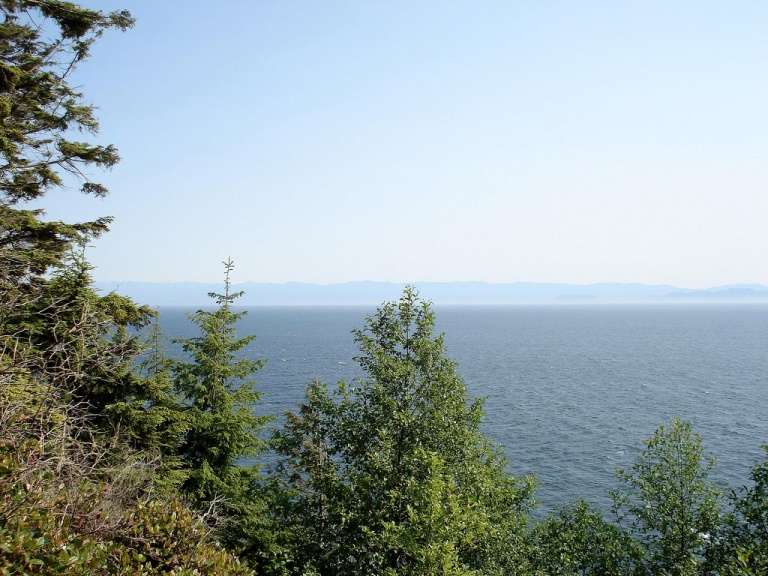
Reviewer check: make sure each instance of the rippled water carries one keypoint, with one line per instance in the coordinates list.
(571, 390)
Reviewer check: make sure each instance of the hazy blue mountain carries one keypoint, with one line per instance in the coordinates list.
(441, 293)
(724, 293)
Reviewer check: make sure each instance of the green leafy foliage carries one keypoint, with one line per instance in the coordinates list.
(165, 538)
(75, 497)
(80, 342)
(386, 475)
(744, 546)
(71, 503)
(578, 540)
(41, 532)
(52, 323)
(392, 475)
(153, 419)
(671, 507)
(88, 333)
(33, 539)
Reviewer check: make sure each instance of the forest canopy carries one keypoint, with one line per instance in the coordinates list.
(117, 457)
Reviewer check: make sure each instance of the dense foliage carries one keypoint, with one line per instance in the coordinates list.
(80, 478)
(118, 459)
(41, 43)
(671, 508)
(222, 430)
(391, 474)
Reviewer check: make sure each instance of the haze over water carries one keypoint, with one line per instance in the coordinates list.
(571, 390)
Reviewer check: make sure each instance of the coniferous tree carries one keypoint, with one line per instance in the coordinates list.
(223, 432)
(89, 334)
(71, 498)
(150, 415)
(41, 43)
(50, 316)
(392, 475)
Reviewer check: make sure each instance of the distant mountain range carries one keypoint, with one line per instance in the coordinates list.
(441, 293)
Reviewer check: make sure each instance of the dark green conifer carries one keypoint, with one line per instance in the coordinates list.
(222, 438)
(41, 43)
(51, 321)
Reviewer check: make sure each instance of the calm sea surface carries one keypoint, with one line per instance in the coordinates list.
(571, 390)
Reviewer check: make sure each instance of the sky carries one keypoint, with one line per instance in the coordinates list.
(334, 141)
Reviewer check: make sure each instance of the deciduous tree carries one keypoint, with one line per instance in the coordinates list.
(668, 502)
(743, 549)
(576, 539)
(391, 475)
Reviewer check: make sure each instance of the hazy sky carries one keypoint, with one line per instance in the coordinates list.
(504, 141)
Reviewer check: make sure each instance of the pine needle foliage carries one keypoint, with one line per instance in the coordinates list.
(41, 44)
(223, 432)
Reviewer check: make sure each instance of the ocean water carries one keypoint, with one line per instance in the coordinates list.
(571, 391)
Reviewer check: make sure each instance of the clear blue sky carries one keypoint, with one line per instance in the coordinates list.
(504, 141)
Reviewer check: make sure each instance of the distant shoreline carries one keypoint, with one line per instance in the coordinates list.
(440, 293)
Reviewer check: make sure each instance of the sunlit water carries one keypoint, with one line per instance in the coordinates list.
(571, 390)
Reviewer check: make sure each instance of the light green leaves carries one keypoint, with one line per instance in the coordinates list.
(668, 503)
(390, 474)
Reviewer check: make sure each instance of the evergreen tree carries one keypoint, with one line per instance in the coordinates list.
(72, 503)
(392, 475)
(150, 416)
(82, 344)
(223, 432)
(89, 335)
(52, 322)
(41, 43)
